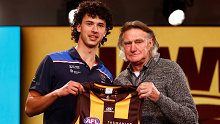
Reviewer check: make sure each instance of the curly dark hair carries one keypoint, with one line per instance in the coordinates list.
(93, 9)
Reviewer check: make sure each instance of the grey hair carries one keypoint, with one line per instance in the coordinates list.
(138, 24)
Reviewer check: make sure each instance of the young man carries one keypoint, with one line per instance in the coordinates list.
(161, 82)
(57, 80)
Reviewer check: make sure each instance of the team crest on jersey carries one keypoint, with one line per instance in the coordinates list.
(102, 77)
(91, 120)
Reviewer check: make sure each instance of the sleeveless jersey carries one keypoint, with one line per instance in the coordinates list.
(103, 103)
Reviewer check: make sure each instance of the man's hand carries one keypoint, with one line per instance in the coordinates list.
(71, 87)
(147, 89)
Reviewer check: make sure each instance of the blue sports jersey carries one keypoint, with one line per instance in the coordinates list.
(55, 71)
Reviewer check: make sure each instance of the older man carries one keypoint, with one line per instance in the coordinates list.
(161, 82)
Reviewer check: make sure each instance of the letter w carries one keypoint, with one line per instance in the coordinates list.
(199, 80)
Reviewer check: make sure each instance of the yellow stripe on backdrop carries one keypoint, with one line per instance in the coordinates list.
(38, 41)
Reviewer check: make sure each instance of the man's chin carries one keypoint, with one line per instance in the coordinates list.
(134, 60)
(92, 45)
(137, 61)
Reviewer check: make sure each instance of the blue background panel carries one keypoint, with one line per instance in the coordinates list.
(10, 75)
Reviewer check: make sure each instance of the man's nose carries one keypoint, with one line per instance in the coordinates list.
(95, 28)
(133, 47)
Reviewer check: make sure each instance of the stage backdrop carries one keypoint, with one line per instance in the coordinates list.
(195, 49)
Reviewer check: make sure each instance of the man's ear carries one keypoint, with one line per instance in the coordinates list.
(151, 43)
(78, 27)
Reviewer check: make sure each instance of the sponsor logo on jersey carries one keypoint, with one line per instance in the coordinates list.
(116, 122)
(35, 78)
(91, 120)
(74, 66)
(109, 109)
(75, 72)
